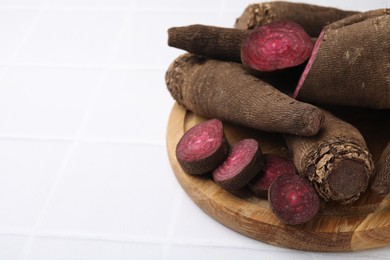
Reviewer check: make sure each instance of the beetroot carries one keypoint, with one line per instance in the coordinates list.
(243, 163)
(203, 147)
(293, 199)
(274, 166)
(277, 45)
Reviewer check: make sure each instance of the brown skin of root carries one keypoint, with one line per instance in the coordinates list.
(311, 17)
(224, 90)
(381, 182)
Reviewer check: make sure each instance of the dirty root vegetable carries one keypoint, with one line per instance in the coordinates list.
(274, 46)
(311, 17)
(349, 64)
(274, 166)
(381, 182)
(293, 199)
(224, 90)
(202, 148)
(244, 162)
(336, 160)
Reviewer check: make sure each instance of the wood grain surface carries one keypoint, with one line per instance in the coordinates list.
(362, 225)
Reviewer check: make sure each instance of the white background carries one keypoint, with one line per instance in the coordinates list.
(84, 172)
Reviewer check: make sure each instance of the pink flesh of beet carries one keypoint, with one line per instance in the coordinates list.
(277, 45)
(200, 141)
(293, 199)
(241, 155)
(309, 63)
(274, 166)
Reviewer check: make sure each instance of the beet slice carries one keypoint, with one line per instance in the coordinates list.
(277, 45)
(274, 166)
(293, 199)
(243, 163)
(203, 147)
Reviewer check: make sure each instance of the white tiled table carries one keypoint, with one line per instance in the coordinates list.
(84, 172)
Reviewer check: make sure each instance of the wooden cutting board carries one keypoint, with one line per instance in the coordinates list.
(362, 225)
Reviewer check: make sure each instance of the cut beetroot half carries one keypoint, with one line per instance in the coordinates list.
(203, 147)
(244, 162)
(293, 199)
(274, 166)
(277, 45)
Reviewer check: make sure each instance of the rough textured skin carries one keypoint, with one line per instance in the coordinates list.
(218, 149)
(350, 63)
(338, 149)
(293, 199)
(311, 17)
(237, 172)
(224, 90)
(210, 41)
(381, 182)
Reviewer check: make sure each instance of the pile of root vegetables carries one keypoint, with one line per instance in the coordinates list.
(291, 69)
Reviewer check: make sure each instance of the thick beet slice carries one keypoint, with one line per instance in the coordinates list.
(293, 199)
(277, 45)
(243, 163)
(203, 147)
(274, 166)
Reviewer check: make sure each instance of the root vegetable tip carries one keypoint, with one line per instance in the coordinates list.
(244, 162)
(293, 199)
(202, 148)
(274, 166)
(277, 45)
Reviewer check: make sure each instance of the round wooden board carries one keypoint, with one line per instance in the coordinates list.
(363, 225)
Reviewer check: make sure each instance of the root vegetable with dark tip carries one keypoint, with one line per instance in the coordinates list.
(312, 18)
(274, 166)
(336, 160)
(278, 45)
(203, 147)
(350, 63)
(244, 162)
(225, 90)
(293, 199)
(381, 182)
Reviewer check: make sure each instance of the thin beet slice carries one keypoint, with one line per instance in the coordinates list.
(243, 163)
(274, 166)
(293, 199)
(277, 45)
(203, 147)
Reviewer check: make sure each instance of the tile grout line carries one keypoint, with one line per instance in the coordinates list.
(166, 245)
(75, 141)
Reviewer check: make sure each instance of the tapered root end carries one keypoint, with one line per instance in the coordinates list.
(278, 45)
(313, 121)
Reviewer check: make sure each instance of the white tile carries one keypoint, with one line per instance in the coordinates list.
(114, 189)
(45, 101)
(90, 3)
(21, 3)
(172, 5)
(11, 246)
(75, 37)
(146, 40)
(132, 105)
(66, 249)
(13, 25)
(28, 170)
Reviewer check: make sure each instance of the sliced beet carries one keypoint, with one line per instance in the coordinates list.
(203, 147)
(293, 199)
(243, 163)
(274, 166)
(277, 45)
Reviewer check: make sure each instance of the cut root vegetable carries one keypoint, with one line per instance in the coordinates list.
(293, 199)
(336, 160)
(202, 148)
(349, 64)
(244, 162)
(311, 17)
(274, 166)
(225, 90)
(278, 45)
